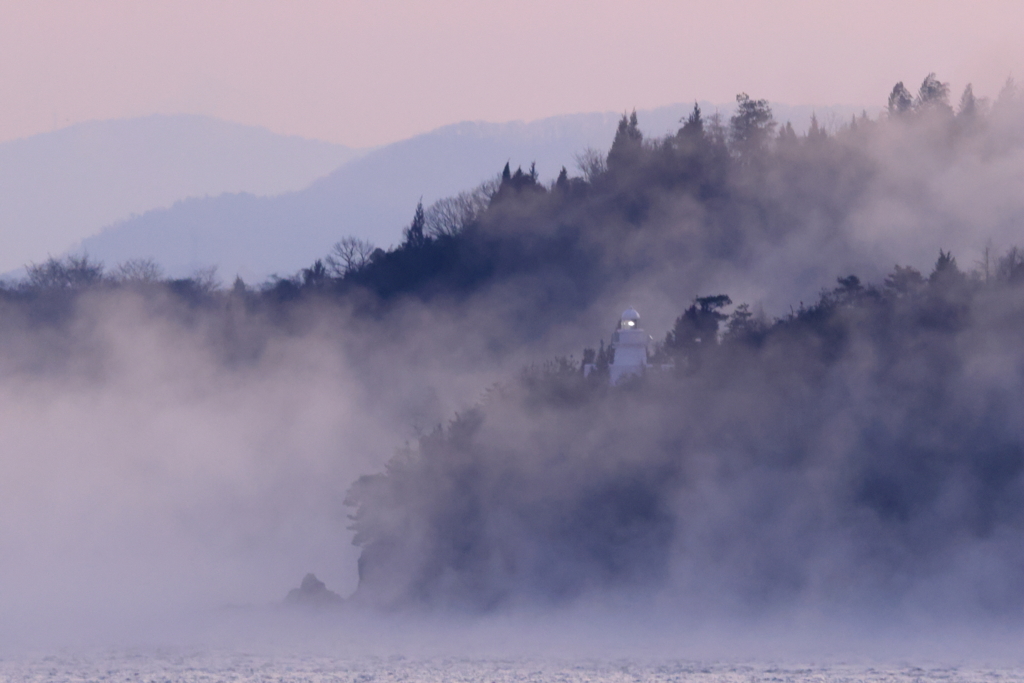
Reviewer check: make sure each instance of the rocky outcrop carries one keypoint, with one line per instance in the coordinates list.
(313, 593)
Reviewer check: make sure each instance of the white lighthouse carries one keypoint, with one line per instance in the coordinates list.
(630, 343)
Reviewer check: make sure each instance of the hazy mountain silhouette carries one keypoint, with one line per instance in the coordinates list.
(57, 188)
(373, 197)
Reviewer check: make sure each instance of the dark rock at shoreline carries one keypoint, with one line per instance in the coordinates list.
(313, 593)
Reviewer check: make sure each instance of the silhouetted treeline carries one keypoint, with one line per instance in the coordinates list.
(862, 452)
(717, 191)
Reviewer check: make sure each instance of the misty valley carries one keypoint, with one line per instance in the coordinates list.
(811, 411)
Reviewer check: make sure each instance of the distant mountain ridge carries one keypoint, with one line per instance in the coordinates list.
(374, 196)
(60, 187)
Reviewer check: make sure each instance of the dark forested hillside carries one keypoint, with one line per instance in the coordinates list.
(863, 450)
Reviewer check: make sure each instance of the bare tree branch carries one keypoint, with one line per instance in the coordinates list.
(451, 215)
(591, 163)
(68, 273)
(138, 270)
(347, 255)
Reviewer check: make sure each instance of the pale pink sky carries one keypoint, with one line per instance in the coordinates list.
(364, 72)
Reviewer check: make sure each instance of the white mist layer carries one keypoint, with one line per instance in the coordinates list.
(157, 481)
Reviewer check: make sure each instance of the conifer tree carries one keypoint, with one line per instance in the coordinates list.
(933, 93)
(751, 126)
(627, 145)
(414, 234)
(968, 103)
(815, 133)
(693, 125)
(562, 182)
(900, 100)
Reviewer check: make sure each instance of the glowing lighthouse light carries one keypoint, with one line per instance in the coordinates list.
(630, 343)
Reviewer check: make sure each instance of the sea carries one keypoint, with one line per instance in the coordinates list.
(195, 666)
